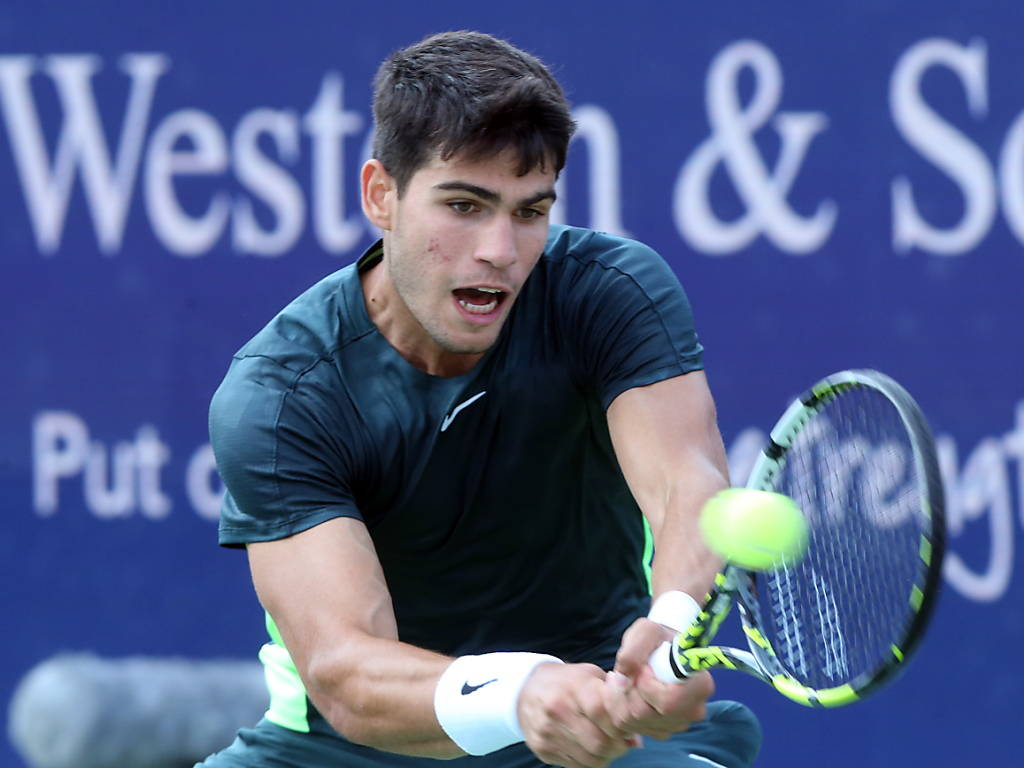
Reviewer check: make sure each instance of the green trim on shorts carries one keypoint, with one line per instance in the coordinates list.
(288, 703)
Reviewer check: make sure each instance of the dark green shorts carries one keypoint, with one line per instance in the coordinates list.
(730, 737)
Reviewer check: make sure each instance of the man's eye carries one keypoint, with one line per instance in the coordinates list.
(462, 206)
(530, 213)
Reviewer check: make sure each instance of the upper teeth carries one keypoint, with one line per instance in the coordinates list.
(489, 290)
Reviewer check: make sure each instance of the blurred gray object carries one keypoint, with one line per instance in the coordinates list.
(77, 710)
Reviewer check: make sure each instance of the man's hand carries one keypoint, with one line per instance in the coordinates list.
(638, 702)
(563, 715)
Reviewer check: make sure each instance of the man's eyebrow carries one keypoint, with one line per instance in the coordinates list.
(492, 196)
(547, 194)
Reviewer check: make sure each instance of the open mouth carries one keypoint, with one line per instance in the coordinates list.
(479, 301)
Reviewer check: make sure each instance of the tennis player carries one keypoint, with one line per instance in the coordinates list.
(440, 458)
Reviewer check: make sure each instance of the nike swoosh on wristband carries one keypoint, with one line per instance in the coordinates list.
(447, 421)
(467, 688)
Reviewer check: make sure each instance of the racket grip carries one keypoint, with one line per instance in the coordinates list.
(661, 662)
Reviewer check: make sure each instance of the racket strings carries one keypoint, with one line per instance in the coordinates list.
(837, 612)
(786, 619)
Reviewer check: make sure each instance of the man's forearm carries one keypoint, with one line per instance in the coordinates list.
(681, 559)
(380, 693)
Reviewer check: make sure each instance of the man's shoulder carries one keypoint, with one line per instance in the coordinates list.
(587, 261)
(312, 327)
(290, 360)
(571, 246)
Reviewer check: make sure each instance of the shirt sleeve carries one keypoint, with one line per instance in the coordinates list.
(628, 316)
(278, 440)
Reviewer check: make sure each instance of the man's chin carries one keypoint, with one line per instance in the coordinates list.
(467, 349)
(468, 346)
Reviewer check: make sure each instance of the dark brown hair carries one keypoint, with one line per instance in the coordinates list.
(469, 94)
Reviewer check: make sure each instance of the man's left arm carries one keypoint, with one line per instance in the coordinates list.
(668, 445)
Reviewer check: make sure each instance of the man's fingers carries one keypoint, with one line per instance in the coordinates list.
(627, 708)
(577, 743)
(596, 745)
(688, 698)
(570, 756)
(595, 709)
(652, 708)
(638, 643)
(594, 729)
(563, 716)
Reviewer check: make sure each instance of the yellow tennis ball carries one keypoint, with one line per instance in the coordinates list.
(756, 530)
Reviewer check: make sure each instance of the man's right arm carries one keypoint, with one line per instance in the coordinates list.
(326, 592)
(325, 589)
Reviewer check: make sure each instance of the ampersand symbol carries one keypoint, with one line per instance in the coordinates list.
(764, 192)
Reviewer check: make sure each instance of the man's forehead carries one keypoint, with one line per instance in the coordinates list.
(504, 166)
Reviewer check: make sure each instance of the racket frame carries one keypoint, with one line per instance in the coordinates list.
(690, 651)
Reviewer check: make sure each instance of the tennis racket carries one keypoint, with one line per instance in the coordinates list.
(856, 455)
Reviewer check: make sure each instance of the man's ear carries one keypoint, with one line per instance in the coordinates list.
(379, 193)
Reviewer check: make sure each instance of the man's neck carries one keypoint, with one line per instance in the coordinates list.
(397, 325)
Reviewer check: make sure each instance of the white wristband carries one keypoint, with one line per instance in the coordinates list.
(675, 609)
(476, 697)
(678, 611)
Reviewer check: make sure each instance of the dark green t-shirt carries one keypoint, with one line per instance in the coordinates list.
(494, 500)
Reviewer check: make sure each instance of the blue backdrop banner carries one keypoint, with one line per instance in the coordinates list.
(836, 185)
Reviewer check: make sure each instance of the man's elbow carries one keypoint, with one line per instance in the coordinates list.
(353, 704)
(358, 722)
(336, 695)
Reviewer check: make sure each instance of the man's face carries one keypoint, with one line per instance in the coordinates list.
(464, 237)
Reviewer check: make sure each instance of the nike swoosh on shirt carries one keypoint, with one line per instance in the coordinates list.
(467, 688)
(447, 422)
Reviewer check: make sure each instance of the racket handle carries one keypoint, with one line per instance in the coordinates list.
(661, 662)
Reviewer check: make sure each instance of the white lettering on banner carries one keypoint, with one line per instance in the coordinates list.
(110, 490)
(328, 122)
(81, 144)
(82, 150)
(192, 143)
(763, 192)
(269, 181)
(953, 153)
(983, 487)
(595, 127)
(942, 144)
(115, 481)
(60, 443)
(980, 490)
(125, 478)
(151, 454)
(177, 230)
(1011, 172)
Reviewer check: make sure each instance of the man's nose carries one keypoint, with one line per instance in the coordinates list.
(497, 243)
